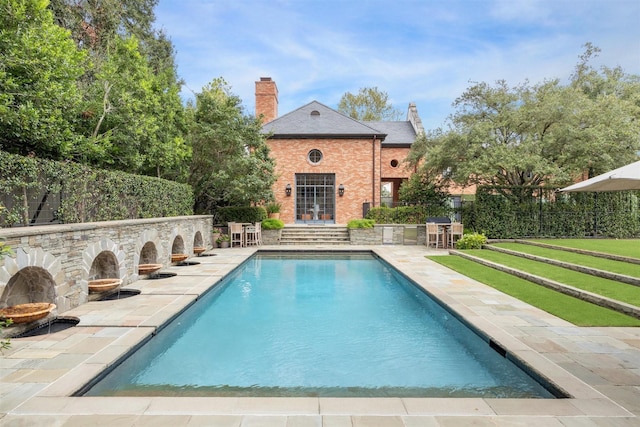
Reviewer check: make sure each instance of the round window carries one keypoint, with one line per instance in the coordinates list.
(394, 163)
(315, 156)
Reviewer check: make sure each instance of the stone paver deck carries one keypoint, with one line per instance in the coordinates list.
(598, 367)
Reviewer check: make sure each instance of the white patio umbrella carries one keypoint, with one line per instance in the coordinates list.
(624, 178)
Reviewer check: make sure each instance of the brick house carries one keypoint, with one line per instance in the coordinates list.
(330, 166)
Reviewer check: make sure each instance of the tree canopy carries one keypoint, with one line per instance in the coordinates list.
(91, 82)
(530, 135)
(369, 104)
(231, 163)
(39, 67)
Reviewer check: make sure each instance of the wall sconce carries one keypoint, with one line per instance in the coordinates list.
(341, 190)
(287, 190)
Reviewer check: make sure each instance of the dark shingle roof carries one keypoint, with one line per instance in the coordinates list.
(318, 120)
(398, 133)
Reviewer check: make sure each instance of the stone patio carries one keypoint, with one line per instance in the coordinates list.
(598, 367)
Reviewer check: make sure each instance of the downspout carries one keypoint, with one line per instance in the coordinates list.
(373, 172)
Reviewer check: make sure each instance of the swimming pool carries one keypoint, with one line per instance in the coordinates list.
(318, 325)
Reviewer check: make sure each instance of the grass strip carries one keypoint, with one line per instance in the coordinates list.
(612, 266)
(608, 288)
(623, 247)
(574, 310)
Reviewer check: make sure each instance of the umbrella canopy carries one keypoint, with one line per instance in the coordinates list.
(624, 178)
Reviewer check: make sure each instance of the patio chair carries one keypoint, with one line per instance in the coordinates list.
(434, 234)
(236, 233)
(253, 234)
(259, 233)
(455, 232)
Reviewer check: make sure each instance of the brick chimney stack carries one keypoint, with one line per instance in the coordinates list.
(266, 99)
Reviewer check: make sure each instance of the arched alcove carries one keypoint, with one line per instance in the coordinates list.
(104, 259)
(104, 266)
(29, 285)
(198, 240)
(177, 247)
(148, 254)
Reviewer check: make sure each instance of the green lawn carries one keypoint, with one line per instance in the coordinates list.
(571, 309)
(609, 288)
(612, 266)
(623, 247)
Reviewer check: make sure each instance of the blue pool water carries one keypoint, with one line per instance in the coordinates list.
(322, 325)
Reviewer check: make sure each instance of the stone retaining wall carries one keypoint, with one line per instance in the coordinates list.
(56, 262)
(374, 236)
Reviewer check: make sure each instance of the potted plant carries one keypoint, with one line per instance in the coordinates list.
(216, 232)
(223, 241)
(273, 210)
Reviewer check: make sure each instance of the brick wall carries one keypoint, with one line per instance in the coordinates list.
(350, 160)
(390, 154)
(358, 164)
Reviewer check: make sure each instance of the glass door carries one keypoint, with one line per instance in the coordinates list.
(315, 198)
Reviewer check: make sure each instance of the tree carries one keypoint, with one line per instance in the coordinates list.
(94, 24)
(132, 117)
(369, 105)
(230, 163)
(420, 188)
(525, 136)
(39, 67)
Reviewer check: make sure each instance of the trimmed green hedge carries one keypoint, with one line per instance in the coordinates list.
(250, 214)
(81, 194)
(613, 214)
(415, 214)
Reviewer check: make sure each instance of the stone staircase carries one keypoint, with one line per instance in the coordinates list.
(314, 235)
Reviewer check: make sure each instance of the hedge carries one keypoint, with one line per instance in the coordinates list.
(78, 193)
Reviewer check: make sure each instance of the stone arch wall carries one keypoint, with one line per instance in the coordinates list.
(63, 255)
(143, 254)
(44, 273)
(198, 238)
(93, 251)
(179, 241)
(200, 235)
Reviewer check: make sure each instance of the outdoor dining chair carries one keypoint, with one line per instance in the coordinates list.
(434, 234)
(253, 234)
(455, 232)
(236, 233)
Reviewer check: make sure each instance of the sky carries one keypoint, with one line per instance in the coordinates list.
(423, 51)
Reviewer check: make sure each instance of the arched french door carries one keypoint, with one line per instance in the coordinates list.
(315, 198)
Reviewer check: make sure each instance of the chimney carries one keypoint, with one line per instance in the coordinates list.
(266, 99)
(414, 118)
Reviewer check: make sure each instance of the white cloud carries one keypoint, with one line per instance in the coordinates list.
(417, 51)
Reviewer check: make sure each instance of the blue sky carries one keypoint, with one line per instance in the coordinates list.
(427, 52)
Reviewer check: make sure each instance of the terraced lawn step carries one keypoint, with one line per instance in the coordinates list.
(522, 251)
(600, 254)
(586, 295)
(571, 309)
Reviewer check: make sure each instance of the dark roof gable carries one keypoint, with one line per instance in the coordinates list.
(318, 120)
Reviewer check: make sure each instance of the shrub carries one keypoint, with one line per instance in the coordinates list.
(361, 223)
(471, 241)
(272, 224)
(79, 193)
(250, 214)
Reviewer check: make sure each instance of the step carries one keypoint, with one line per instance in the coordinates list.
(313, 235)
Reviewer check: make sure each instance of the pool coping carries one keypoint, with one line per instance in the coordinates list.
(39, 376)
